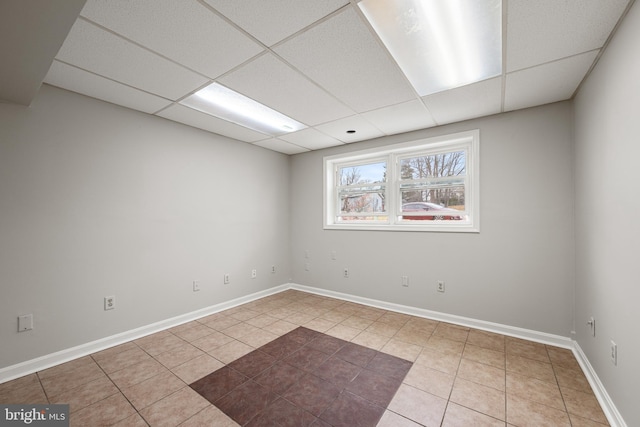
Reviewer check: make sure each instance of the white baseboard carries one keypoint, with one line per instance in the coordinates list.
(610, 411)
(527, 334)
(49, 360)
(38, 364)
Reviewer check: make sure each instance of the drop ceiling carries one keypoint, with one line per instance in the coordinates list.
(318, 62)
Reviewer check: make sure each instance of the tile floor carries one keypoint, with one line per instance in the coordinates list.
(457, 376)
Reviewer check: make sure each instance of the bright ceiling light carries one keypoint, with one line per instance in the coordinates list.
(440, 44)
(226, 104)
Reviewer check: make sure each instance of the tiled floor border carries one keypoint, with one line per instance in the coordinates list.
(41, 363)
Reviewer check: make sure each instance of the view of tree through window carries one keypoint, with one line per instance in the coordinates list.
(362, 191)
(435, 178)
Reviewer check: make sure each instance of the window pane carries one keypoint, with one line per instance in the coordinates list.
(363, 174)
(444, 196)
(433, 166)
(362, 200)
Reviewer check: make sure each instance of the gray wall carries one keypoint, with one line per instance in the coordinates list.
(607, 135)
(518, 271)
(99, 200)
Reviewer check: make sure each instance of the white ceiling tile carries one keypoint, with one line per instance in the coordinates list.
(185, 31)
(338, 129)
(272, 82)
(272, 21)
(401, 118)
(342, 55)
(545, 30)
(555, 81)
(80, 81)
(101, 52)
(467, 102)
(280, 146)
(188, 116)
(311, 138)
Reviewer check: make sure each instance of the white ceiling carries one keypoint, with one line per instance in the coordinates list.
(318, 62)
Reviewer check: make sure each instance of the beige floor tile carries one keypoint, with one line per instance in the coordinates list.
(530, 368)
(413, 336)
(258, 338)
(561, 357)
(241, 313)
(209, 416)
(240, 330)
(578, 421)
(527, 349)
(488, 340)
(221, 322)
(459, 416)
(370, 313)
(175, 408)
(394, 319)
(86, 394)
(452, 332)
(150, 391)
(402, 349)
(343, 332)
(391, 419)
(103, 413)
(134, 374)
(370, 340)
(184, 327)
(444, 362)
(54, 386)
(300, 318)
(381, 328)
(319, 324)
(445, 345)
(584, 405)
(422, 324)
(66, 368)
(482, 374)
(115, 350)
(262, 320)
(23, 390)
(211, 341)
(231, 351)
(121, 360)
(179, 355)
(419, 406)
(334, 316)
(134, 420)
(194, 333)
(484, 355)
(430, 380)
(282, 312)
(197, 368)
(570, 378)
(486, 400)
(159, 343)
(535, 390)
(280, 327)
(526, 413)
(357, 322)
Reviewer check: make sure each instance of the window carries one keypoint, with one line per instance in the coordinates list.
(425, 185)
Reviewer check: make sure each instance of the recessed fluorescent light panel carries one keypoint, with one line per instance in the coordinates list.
(440, 44)
(226, 104)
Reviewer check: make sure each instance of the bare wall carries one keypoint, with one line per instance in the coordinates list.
(518, 271)
(99, 200)
(607, 129)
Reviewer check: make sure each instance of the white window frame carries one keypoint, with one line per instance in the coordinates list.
(468, 141)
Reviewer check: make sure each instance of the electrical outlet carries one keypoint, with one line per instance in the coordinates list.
(592, 323)
(25, 322)
(196, 285)
(227, 279)
(254, 273)
(273, 269)
(440, 286)
(614, 353)
(345, 273)
(109, 303)
(405, 281)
